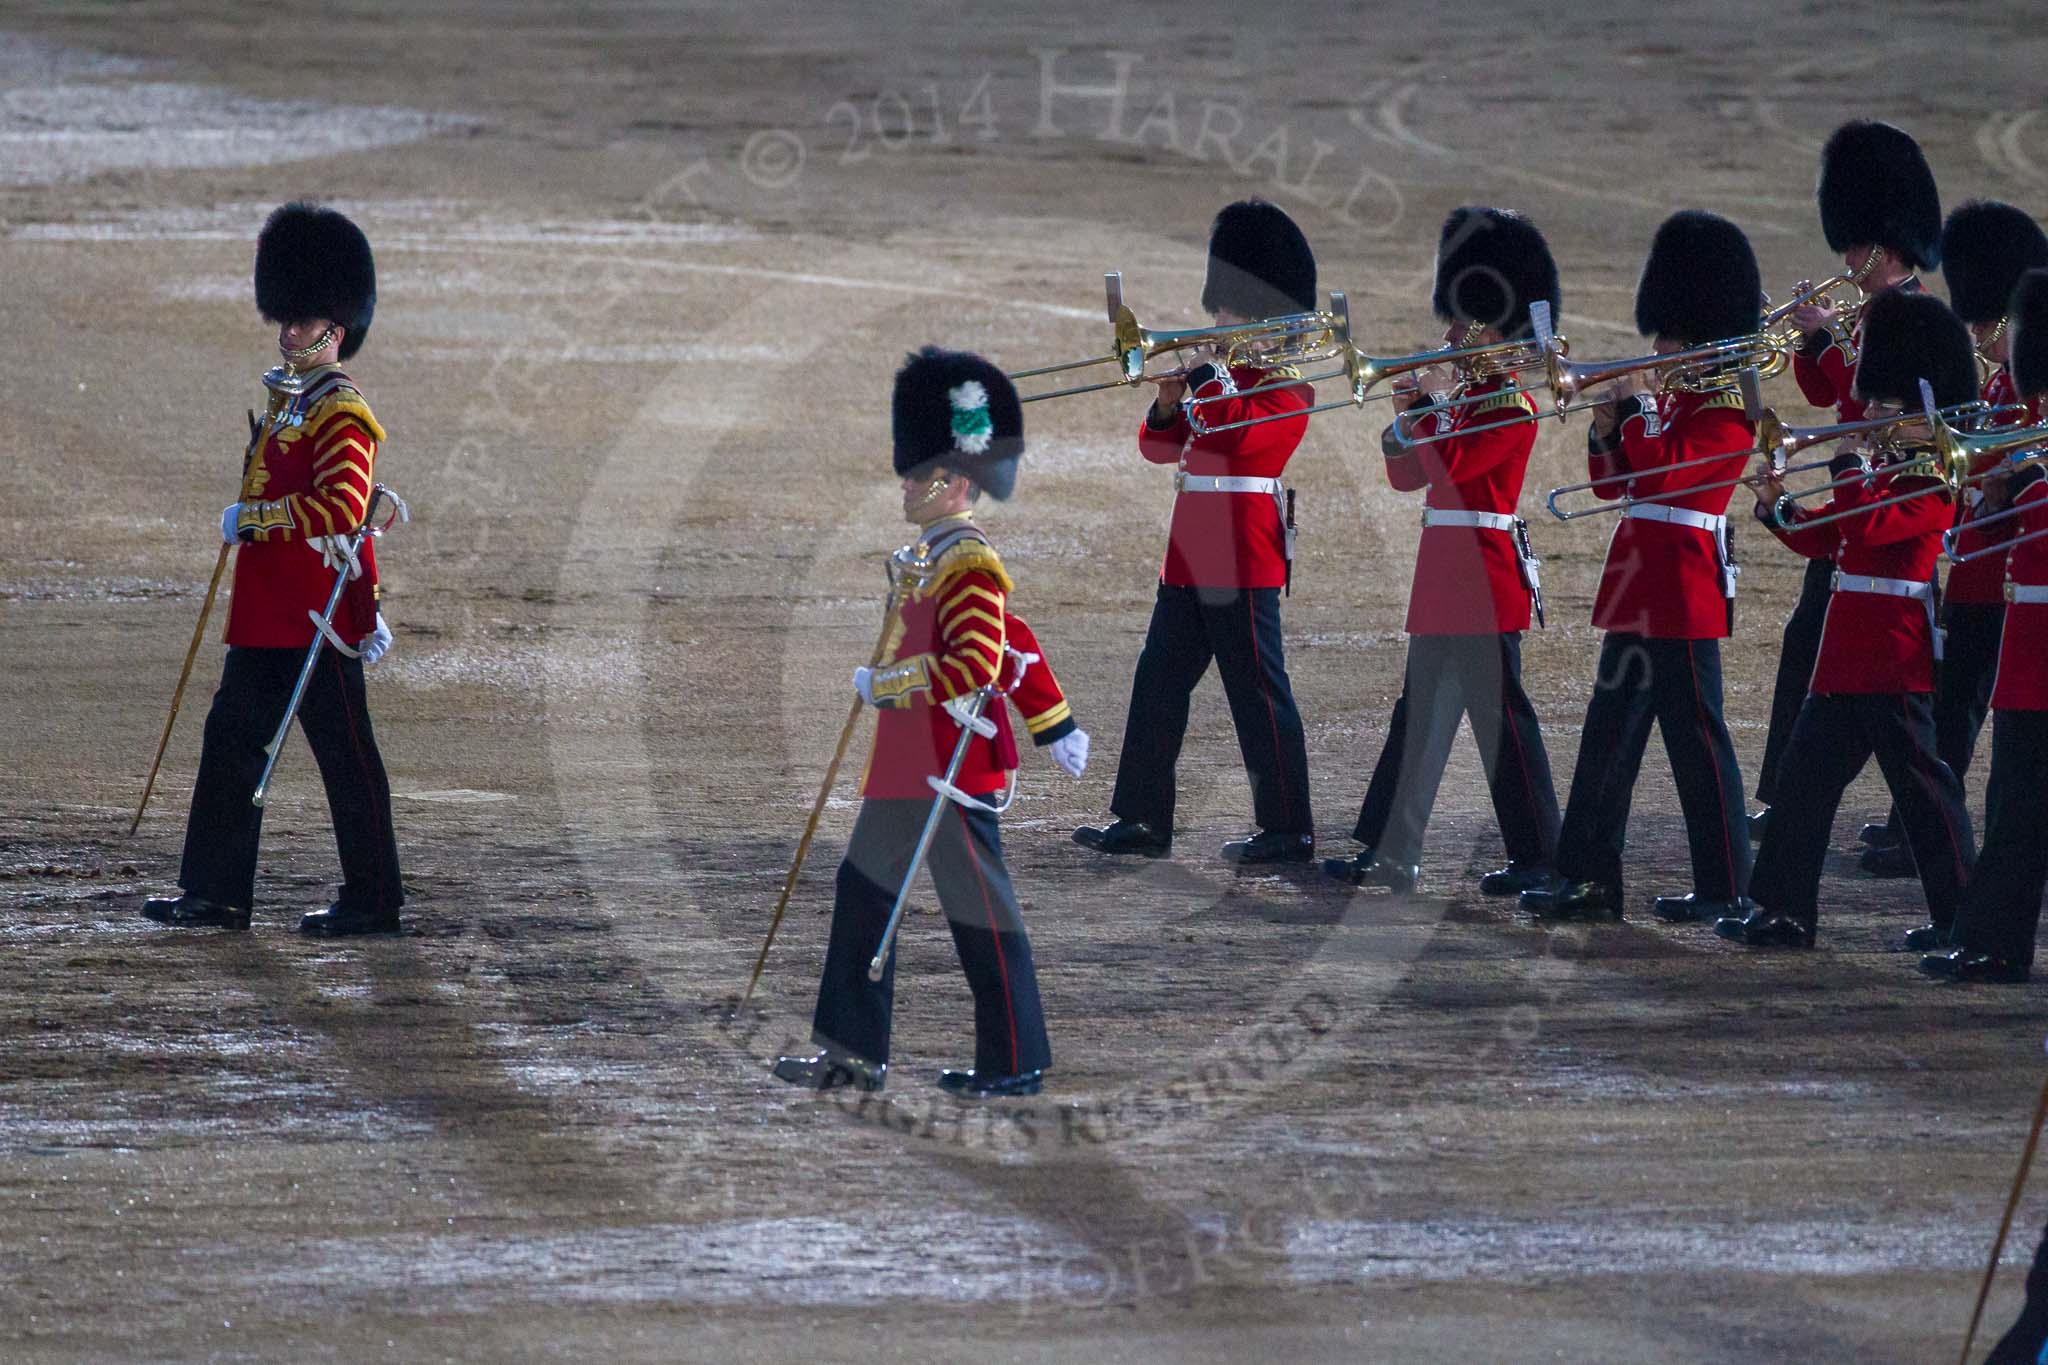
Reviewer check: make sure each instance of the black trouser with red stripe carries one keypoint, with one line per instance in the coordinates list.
(1972, 633)
(1239, 628)
(966, 864)
(1448, 677)
(2002, 911)
(222, 834)
(1836, 734)
(1797, 654)
(1677, 685)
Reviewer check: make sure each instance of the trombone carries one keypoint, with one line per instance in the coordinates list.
(1776, 441)
(1292, 338)
(1944, 460)
(1701, 369)
(2014, 447)
(1363, 373)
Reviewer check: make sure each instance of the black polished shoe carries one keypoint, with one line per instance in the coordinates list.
(1691, 908)
(1125, 836)
(1969, 967)
(1927, 938)
(1762, 928)
(1268, 847)
(1888, 861)
(193, 912)
(830, 1071)
(1758, 823)
(971, 1085)
(1572, 901)
(1399, 878)
(1347, 870)
(1879, 834)
(1516, 878)
(343, 921)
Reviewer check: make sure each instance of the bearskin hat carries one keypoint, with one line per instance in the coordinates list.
(312, 262)
(1875, 188)
(1259, 263)
(1985, 247)
(1491, 264)
(1700, 282)
(2028, 341)
(955, 410)
(1911, 337)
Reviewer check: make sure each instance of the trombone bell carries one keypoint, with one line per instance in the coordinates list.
(1290, 338)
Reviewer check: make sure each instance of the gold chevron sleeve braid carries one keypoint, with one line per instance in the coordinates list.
(345, 438)
(970, 655)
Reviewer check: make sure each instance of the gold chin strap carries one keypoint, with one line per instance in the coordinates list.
(296, 358)
(1986, 365)
(932, 492)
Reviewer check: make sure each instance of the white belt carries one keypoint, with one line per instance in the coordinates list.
(1532, 567)
(2026, 592)
(1485, 521)
(1898, 587)
(1887, 587)
(1677, 516)
(1225, 483)
(1714, 525)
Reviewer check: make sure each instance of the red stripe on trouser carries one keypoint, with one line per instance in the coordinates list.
(1521, 755)
(1699, 712)
(988, 908)
(1272, 716)
(363, 764)
(1955, 848)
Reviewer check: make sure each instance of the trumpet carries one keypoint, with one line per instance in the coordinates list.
(1290, 339)
(1848, 312)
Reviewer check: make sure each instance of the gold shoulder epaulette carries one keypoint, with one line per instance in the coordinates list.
(1507, 398)
(968, 554)
(343, 400)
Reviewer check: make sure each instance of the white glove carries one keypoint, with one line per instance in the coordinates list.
(1070, 751)
(864, 683)
(337, 554)
(229, 515)
(378, 643)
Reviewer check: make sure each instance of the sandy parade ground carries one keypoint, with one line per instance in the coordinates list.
(645, 271)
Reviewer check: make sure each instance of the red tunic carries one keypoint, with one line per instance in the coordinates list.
(1981, 580)
(1229, 540)
(310, 476)
(949, 642)
(1663, 579)
(2023, 653)
(1828, 376)
(1036, 695)
(1875, 642)
(1829, 379)
(1468, 579)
